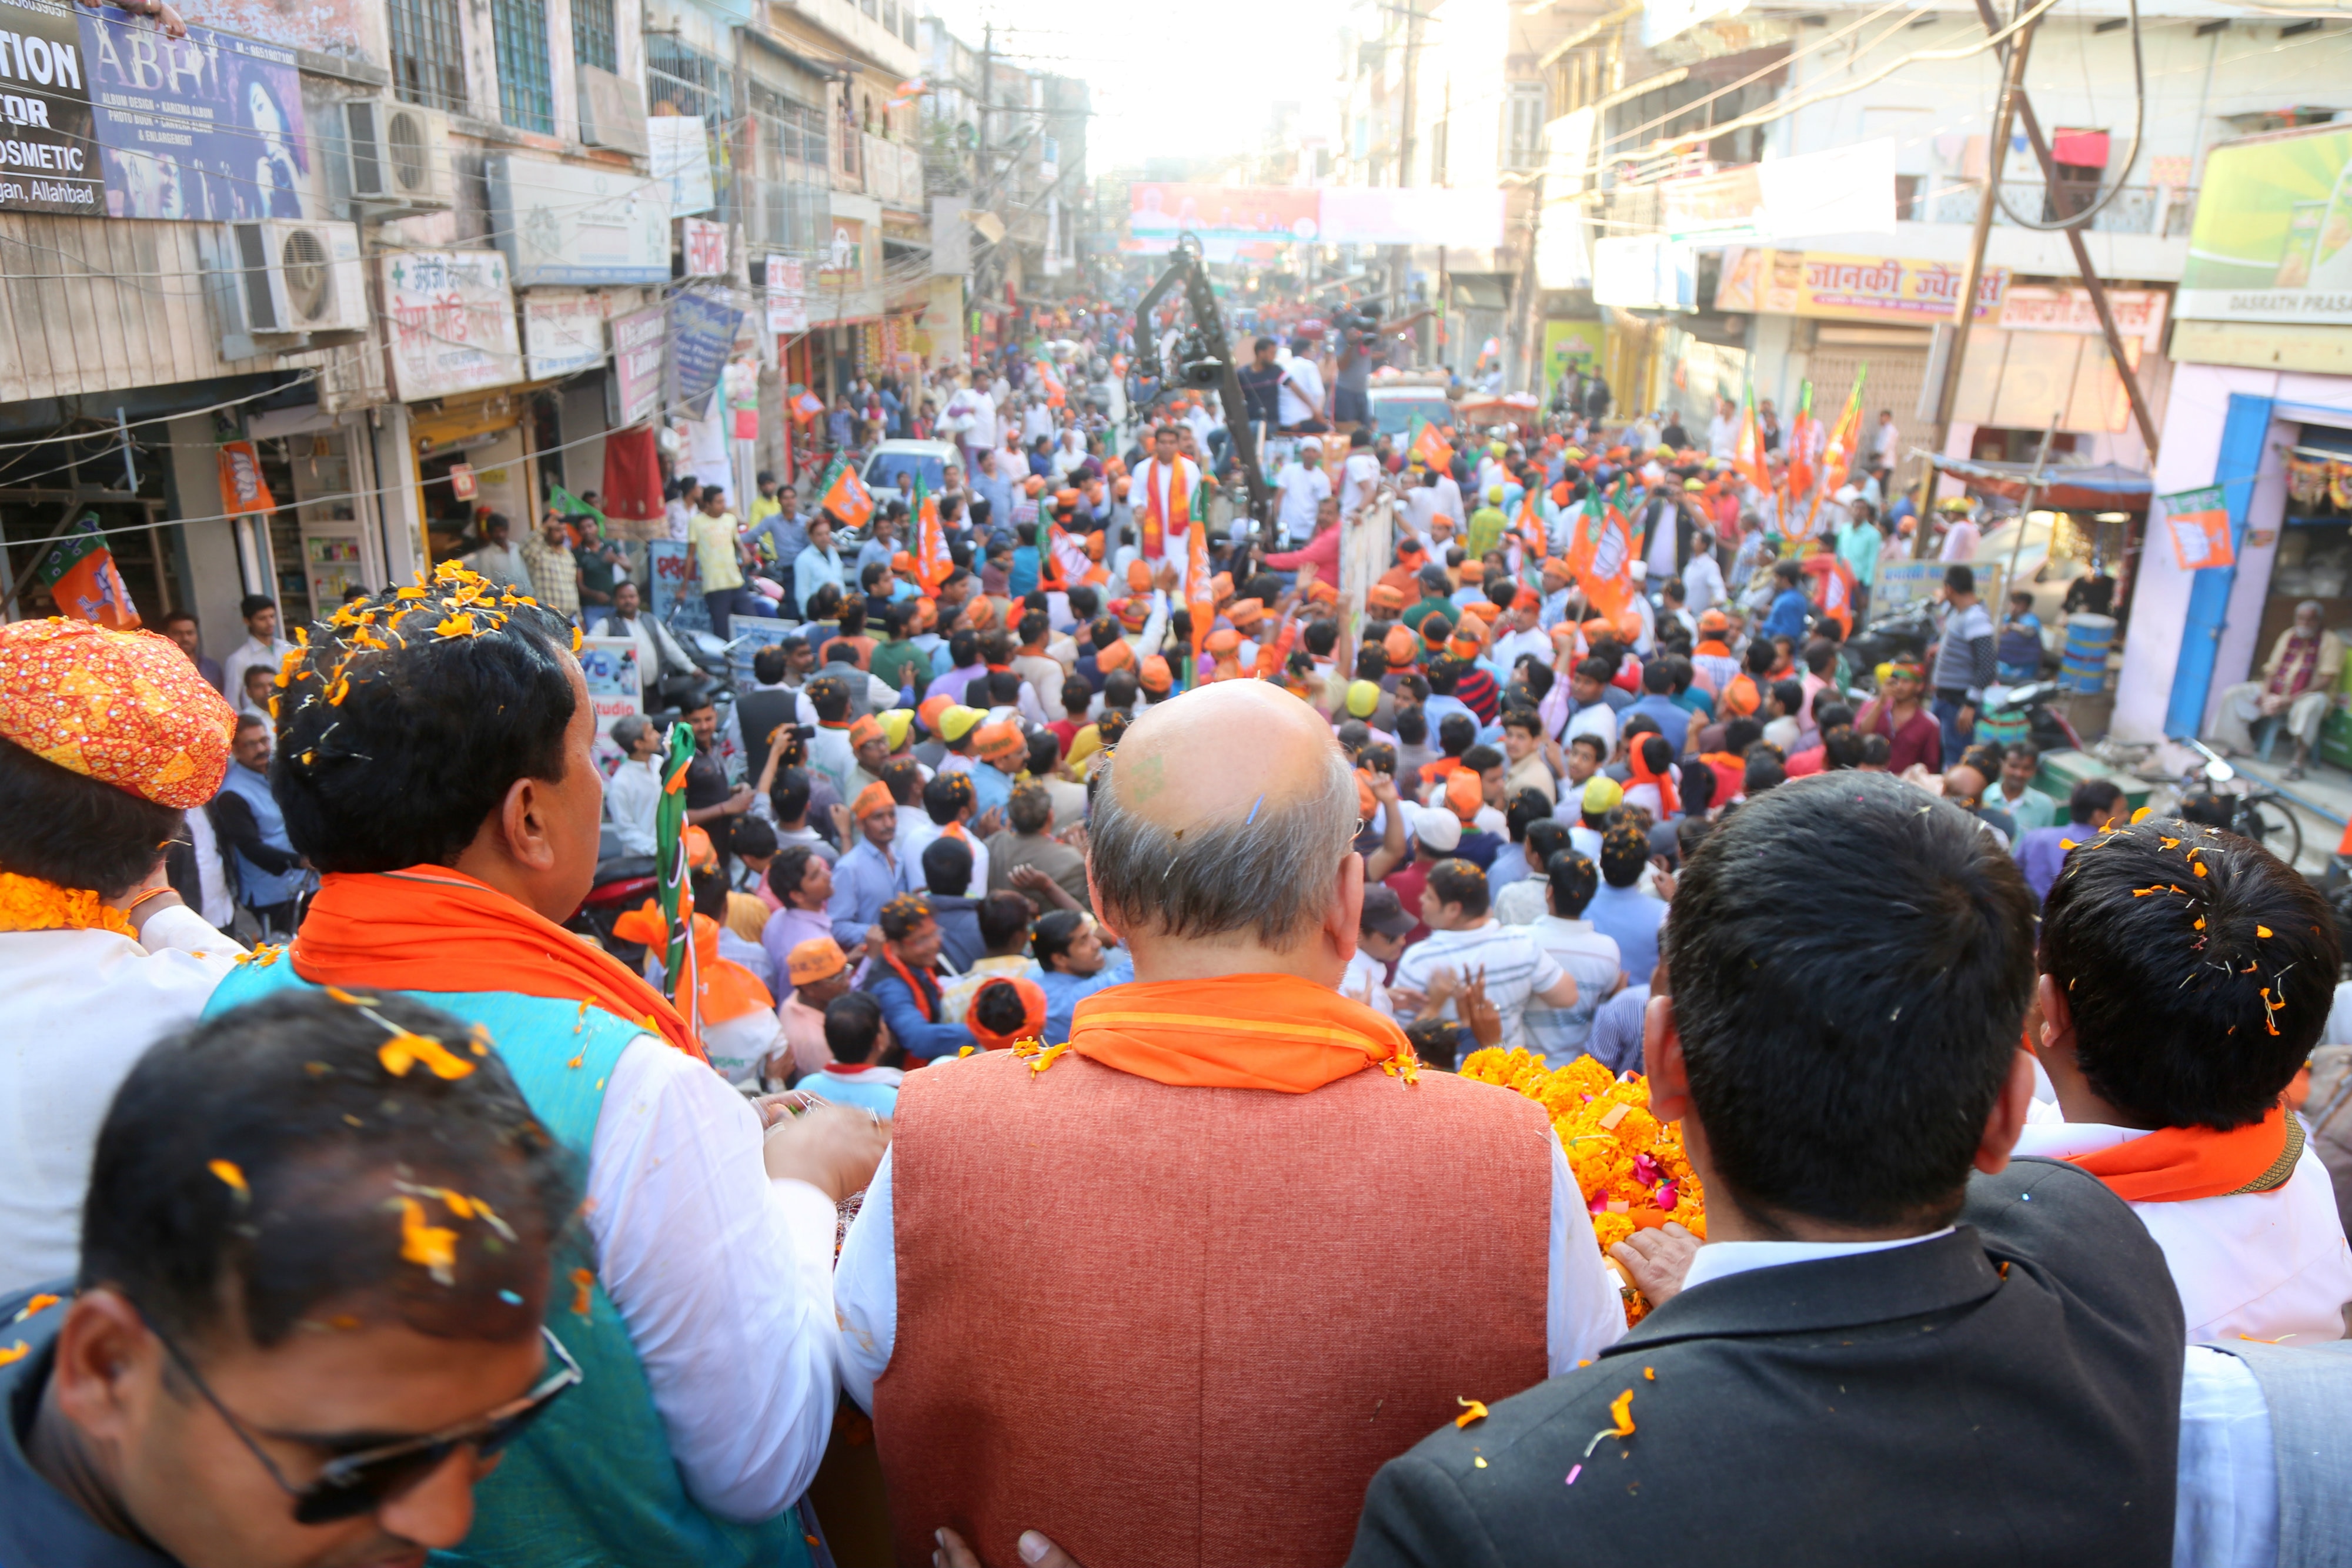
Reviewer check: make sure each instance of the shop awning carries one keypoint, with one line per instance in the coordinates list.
(2103, 486)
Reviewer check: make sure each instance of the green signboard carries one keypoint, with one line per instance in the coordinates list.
(2273, 236)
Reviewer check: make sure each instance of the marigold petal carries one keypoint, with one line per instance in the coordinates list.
(405, 1050)
(230, 1176)
(1471, 1410)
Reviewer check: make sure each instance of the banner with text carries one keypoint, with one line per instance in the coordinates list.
(1832, 287)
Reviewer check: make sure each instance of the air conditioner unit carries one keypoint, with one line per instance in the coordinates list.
(612, 112)
(294, 284)
(399, 154)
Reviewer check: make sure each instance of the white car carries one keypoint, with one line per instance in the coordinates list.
(927, 460)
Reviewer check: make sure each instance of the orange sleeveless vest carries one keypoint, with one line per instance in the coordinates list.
(1185, 1325)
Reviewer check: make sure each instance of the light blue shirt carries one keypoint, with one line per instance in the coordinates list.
(811, 569)
(863, 882)
(1673, 720)
(1064, 992)
(874, 1090)
(1632, 916)
(1859, 548)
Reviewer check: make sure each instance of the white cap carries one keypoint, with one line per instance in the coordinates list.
(1438, 828)
(1847, 494)
(1637, 569)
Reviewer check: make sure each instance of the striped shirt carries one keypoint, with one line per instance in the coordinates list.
(1560, 1032)
(1516, 968)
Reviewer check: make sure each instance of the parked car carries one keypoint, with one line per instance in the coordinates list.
(2037, 573)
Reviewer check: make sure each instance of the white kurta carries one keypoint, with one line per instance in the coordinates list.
(2256, 1265)
(83, 1006)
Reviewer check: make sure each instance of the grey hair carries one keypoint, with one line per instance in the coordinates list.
(2313, 606)
(628, 728)
(1269, 873)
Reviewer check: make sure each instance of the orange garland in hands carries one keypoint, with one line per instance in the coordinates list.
(1629, 1166)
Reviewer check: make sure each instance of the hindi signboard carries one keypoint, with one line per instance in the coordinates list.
(680, 152)
(578, 224)
(787, 295)
(702, 323)
(637, 342)
(1834, 287)
(563, 331)
(451, 322)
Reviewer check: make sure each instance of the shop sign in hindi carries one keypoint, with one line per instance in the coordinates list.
(705, 245)
(680, 153)
(563, 331)
(45, 163)
(451, 320)
(1834, 287)
(204, 129)
(637, 340)
(702, 324)
(2042, 307)
(787, 295)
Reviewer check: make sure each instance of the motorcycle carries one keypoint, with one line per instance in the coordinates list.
(2026, 712)
(2215, 796)
(1906, 634)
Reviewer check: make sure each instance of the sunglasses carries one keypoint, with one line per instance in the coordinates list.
(360, 1482)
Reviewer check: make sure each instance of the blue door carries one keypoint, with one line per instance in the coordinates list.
(2243, 433)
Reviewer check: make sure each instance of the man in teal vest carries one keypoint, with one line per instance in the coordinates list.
(434, 763)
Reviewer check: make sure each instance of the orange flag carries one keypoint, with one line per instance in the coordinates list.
(1200, 594)
(1747, 454)
(1597, 557)
(79, 574)
(847, 497)
(932, 560)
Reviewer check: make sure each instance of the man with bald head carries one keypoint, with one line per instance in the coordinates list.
(1231, 1250)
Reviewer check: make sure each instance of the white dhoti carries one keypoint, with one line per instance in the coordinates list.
(2240, 710)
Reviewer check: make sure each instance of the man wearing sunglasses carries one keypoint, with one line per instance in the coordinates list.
(311, 1312)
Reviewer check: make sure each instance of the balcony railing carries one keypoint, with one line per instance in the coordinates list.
(2160, 210)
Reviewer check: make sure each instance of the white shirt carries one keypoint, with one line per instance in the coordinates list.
(722, 1277)
(1723, 435)
(1583, 1313)
(218, 906)
(1302, 391)
(1599, 719)
(1358, 477)
(1883, 441)
(247, 653)
(914, 840)
(1512, 644)
(1365, 981)
(1515, 967)
(631, 795)
(1302, 489)
(2261, 1265)
(1702, 581)
(83, 1006)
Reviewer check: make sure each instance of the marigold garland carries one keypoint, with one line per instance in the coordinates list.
(1629, 1165)
(28, 903)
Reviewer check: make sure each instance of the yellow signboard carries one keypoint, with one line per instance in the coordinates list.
(1834, 287)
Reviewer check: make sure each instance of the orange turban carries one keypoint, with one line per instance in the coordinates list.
(1131, 612)
(126, 708)
(1464, 794)
(1032, 1013)
(874, 797)
(999, 740)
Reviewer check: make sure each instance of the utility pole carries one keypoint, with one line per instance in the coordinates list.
(2091, 284)
(2012, 86)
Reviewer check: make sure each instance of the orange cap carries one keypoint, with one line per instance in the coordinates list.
(873, 799)
(1155, 677)
(818, 958)
(1000, 740)
(1245, 611)
(1223, 640)
(1383, 597)
(1464, 794)
(929, 710)
(1400, 646)
(1117, 656)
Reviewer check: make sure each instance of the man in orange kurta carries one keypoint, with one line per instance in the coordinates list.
(1183, 1286)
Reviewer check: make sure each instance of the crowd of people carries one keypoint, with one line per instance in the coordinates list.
(1112, 935)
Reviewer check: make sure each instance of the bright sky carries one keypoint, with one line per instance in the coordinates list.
(1171, 80)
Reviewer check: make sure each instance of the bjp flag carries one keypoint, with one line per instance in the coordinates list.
(1598, 555)
(243, 490)
(847, 497)
(933, 562)
(1054, 395)
(1431, 448)
(1748, 454)
(1200, 594)
(79, 574)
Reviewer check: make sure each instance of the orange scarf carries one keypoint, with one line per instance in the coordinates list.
(922, 1000)
(724, 989)
(1237, 1032)
(1159, 524)
(1669, 803)
(429, 928)
(2175, 1164)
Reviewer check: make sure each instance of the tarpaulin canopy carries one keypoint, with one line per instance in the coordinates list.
(2103, 486)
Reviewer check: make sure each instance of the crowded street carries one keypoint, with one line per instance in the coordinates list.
(1500, 783)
